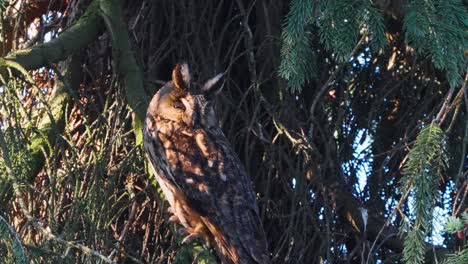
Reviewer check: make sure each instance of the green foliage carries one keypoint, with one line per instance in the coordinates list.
(14, 162)
(9, 238)
(194, 253)
(437, 29)
(3, 4)
(421, 174)
(296, 54)
(414, 247)
(341, 22)
(88, 208)
(459, 258)
(374, 24)
(13, 136)
(339, 25)
(453, 225)
(18, 130)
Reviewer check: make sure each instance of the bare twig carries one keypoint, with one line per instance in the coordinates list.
(332, 77)
(446, 107)
(327, 84)
(125, 230)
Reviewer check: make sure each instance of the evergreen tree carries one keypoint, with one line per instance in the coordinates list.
(349, 116)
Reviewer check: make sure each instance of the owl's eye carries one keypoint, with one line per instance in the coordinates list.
(178, 105)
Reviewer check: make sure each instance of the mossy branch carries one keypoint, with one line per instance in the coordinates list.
(52, 124)
(76, 37)
(132, 77)
(125, 63)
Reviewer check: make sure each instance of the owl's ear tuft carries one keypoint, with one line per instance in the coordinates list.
(181, 77)
(214, 85)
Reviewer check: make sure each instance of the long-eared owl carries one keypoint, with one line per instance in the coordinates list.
(201, 176)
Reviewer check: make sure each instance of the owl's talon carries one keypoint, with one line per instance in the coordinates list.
(170, 210)
(190, 238)
(174, 219)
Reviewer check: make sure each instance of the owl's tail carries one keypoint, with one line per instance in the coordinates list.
(250, 238)
(225, 250)
(243, 244)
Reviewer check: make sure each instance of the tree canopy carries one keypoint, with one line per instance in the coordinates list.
(349, 116)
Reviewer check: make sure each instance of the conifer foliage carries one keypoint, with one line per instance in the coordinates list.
(459, 226)
(296, 51)
(422, 173)
(338, 24)
(435, 28)
(438, 29)
(349, 116)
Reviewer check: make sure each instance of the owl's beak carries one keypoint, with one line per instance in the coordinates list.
(186, 103)
(189, 115)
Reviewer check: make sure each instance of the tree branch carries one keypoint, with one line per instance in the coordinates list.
(53, 123)
(78, 36)
(132, 77)
(125, 63)
(347, 206)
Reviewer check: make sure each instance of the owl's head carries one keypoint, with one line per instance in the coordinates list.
(182, 101)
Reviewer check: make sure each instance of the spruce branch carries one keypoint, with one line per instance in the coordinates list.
(373, 22)
(422, 173)
(436, 29)
(453, 225)
(296, 54)
(12, 173)
(7, 231)
(458, 258)
(339, 27)
(340, 24)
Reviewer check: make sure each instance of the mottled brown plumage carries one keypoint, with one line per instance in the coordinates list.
(206, 185)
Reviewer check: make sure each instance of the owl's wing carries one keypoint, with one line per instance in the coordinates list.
(234, 207)
(216, 185)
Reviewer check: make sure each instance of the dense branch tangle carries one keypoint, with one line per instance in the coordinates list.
(84, 179)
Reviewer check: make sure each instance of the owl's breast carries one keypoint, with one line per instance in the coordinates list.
(190, 151)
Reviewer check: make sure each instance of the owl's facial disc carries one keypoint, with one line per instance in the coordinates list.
(182, 102)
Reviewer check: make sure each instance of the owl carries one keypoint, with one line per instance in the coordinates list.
(207, 187)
